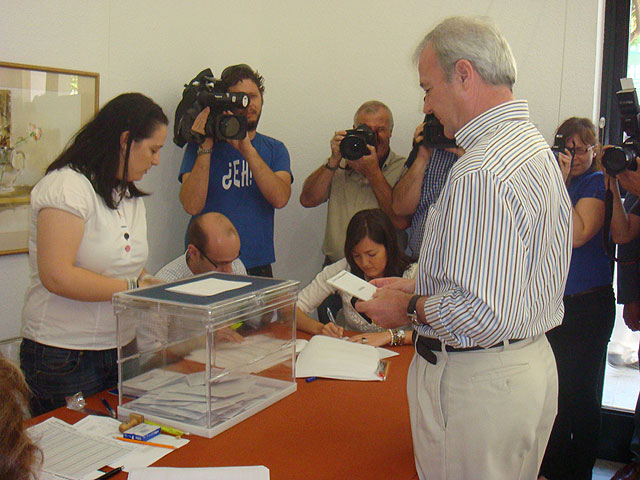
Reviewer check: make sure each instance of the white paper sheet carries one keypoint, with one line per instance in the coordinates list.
(356, 286)
(214, 473)
(334, 358)
(208, 287)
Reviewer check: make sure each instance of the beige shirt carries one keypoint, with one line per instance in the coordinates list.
(349, 193)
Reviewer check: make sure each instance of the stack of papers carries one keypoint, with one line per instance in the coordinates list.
(335, 358)
(76, 452)
(184, 399)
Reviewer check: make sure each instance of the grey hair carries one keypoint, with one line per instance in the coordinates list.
(371, 107)
(475, 40)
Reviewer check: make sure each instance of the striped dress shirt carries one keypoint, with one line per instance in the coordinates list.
(497, 243)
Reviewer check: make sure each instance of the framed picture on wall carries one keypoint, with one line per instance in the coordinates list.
(41, 108)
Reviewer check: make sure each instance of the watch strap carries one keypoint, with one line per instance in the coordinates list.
(411, 308)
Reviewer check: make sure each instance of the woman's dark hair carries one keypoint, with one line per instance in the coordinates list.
(586, 131)
(95, 149)
(375, 225)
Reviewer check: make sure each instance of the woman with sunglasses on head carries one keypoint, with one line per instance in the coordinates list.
(371, 251)
(87, 241)
(580, 342)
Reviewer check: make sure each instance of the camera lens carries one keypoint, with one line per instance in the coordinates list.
(228, 126)
(352, 147)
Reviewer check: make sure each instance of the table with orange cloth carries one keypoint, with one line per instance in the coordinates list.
(327, 429)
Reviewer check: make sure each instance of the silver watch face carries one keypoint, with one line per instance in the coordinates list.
(414, 320)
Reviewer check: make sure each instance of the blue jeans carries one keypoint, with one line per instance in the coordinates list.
(55, 373)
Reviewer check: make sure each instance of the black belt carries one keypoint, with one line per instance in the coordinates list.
(602, 288)
(425, 346)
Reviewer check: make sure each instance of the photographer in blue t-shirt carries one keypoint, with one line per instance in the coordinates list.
(243, 179)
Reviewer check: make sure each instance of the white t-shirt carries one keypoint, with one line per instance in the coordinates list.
(114, 244)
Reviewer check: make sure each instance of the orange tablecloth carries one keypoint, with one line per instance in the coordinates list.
(327, 429)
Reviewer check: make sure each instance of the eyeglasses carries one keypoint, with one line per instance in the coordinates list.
(580, 150)
(216, 265)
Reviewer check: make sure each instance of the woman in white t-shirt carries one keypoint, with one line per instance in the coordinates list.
(371, 251)
(87, 241)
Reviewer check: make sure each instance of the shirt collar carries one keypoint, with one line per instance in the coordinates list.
(475, 129)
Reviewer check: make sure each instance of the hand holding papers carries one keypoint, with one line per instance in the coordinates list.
(349, 283)
(334, 358)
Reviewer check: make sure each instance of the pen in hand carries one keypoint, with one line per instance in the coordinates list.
(333, 320)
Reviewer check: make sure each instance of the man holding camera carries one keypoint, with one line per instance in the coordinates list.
(483, 385)
(419, 186)
(244, 179)
(354, 185)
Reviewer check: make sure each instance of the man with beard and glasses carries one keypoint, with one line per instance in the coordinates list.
(243, 179)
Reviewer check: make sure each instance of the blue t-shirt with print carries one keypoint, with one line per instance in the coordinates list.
(590, 265)
(233, 192)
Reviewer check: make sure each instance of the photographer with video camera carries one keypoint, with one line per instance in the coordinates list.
(425, 173)
(580, 343)
(358, 175)
(243, 178)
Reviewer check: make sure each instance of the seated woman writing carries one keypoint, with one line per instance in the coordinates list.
(371, 251)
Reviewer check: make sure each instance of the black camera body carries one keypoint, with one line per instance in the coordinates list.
(559, 144)
(354, 144)
(433, 133)
(207, 91)
(623, 157)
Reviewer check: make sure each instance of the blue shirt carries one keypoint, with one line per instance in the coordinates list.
(434, 177)
(233, 193)
(590, 266)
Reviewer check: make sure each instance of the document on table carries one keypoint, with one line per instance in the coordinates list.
(330, 357)
(76, 452)
(71, 454)
(214, 473)
(208, 287)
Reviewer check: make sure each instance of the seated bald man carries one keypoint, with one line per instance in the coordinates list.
(214, 246)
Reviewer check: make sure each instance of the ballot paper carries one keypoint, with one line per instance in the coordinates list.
(208, 287)
(335, 358)
(213, 473)
(355, 286)
(76, 452)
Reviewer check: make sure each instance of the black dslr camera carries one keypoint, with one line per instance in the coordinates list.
(354, 144)
(623, 157)
(207, 91)
(433, 133)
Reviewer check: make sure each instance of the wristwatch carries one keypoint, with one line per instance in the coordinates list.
(204, 151)
(411, 311)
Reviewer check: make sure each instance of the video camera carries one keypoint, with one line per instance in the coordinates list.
(207, 91)
(354, 144)
(623, 157)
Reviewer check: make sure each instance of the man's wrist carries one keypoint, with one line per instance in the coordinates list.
(412, 310)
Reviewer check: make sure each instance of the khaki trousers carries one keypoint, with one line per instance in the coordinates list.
(483, 414)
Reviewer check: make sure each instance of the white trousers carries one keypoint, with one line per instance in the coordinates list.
(483, 414)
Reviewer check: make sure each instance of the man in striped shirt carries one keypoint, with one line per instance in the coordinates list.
(483, 388)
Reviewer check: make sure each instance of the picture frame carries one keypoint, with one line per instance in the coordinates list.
(41, 109)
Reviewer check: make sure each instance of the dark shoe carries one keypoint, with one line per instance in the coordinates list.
(630, 471)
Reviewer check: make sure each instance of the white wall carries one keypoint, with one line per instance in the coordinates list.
(321, 60)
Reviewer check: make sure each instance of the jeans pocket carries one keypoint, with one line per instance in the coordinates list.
(58, 361)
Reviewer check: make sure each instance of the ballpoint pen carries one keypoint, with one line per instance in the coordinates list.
(330, 315)
(141, 442)
(110, 474)
(111, 411)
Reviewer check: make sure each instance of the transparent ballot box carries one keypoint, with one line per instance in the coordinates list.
(204, 353)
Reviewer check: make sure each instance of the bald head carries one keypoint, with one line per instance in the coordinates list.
(213, 243)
